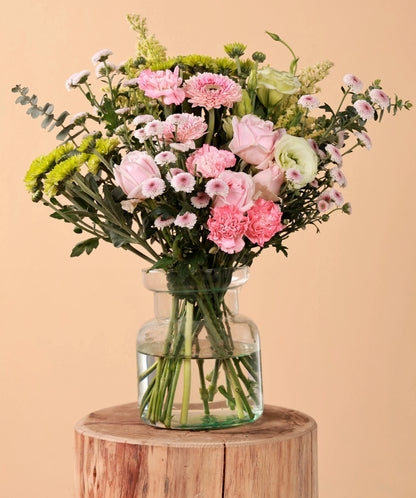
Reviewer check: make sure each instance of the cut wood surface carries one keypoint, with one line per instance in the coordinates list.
(118, 456)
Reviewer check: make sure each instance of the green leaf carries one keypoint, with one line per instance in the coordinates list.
(48, 108)
(64, 132)
(47, 121)
(117, 239)
(163, 263)
(87, 245)
(61, 118)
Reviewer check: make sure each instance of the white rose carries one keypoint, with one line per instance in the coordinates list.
(295, 153)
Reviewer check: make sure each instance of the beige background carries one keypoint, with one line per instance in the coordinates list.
(337, 318)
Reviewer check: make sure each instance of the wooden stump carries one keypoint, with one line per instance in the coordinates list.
(118, 456)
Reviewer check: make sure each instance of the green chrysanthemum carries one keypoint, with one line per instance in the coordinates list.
(62, 172)
(104, 147)
(42, 165)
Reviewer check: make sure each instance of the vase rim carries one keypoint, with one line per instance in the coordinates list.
(156, 280)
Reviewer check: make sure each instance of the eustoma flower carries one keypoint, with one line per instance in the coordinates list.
(254, 140)
(135, 168)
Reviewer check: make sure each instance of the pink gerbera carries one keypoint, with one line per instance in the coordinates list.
(353, 82)
(308, 102)
(162, 85)
(211, 90)
(364, 109)
(377, 96)
(185, 129)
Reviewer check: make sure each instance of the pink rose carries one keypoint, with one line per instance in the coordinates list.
(135, 168)
(264, 220)
(227, 225)
(162, 85)
(254, 139)
(241, 190)
(268, 182)
(209, 162)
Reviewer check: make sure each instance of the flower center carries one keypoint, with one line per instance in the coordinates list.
(212, 88)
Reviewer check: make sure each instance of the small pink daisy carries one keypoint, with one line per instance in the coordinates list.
(216, 186)
(123, 110)
(377, 96)
(152, 187)
(353, 82)
(163, 223)
(165, 157)
(183, 182)
(364, 109)
(293, 175)
(334, 154)
(154, 128)
(101, 56)
(186, 220)
(104, 68)
(129, 83)
(76, 79)
(143, 119)
(172, 172)
(140, 134)
(308, 102)
(338, 176)
(178, 118)
(211, 90)
(347, 208)
(322, 206)
(336, 196)
(180, 147)
(314, 183)
(200, 200)
(341, 139)
(320, 153)
(364, 138)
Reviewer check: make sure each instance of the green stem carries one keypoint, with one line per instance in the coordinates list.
(203, 389)
(187, 363)
(211, 124)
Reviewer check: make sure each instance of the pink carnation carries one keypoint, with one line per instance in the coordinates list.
(377, 96)
(353, 82)
(227, 225)
(364, 109)
(212, 91)
(162, 85)
(185, 129)
(209, 162)
(264, 221)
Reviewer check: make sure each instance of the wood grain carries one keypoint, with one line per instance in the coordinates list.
(118, 456)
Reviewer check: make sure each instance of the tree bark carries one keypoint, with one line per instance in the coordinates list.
(118, 456)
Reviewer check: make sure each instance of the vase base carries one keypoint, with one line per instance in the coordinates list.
(220, 417)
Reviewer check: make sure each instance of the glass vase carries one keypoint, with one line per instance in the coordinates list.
(198, 360)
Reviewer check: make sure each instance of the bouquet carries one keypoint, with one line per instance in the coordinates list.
(198, 164)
